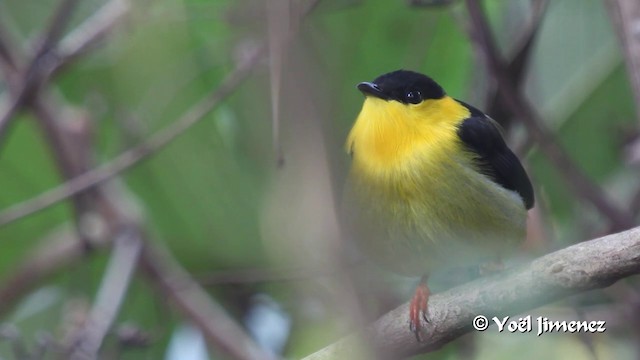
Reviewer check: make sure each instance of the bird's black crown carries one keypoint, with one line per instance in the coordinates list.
(405, 86)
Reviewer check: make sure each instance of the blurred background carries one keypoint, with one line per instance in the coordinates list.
(217, 128)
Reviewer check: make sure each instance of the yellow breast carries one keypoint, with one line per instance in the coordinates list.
(387, 134)
(414, 198)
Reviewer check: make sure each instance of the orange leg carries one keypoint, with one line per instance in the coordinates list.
(419, 307)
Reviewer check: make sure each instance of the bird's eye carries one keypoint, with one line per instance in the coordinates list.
(413, 97)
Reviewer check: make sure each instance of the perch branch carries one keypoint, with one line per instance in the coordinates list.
(588, 265)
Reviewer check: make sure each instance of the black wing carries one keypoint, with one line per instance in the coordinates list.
(482, 135)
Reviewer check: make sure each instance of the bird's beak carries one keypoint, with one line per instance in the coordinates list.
(369, 88)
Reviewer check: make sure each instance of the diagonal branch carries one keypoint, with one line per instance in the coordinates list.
(40, 66)
(92, 31)
(54, 30)
(578, 182)
(625, 15)
(124, 259)
(175, 284)
(49, 59)
(588, 265)
(518, 62)
(7, 52)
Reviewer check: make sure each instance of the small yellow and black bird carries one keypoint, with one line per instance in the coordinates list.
(432, 184)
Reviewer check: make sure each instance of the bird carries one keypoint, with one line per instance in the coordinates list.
(432, 185)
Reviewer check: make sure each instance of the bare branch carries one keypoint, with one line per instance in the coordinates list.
(513, 99)
(46, 61)
(7, 52)
(124, 258)
(625, 15)
(588, 265)
(518, 62)
(138, 153)
(219, 329)
(53, 32)
(92, 31)
(41, 65)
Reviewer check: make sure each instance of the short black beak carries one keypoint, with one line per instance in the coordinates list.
(369, 88)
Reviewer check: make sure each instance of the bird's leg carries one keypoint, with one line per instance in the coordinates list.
(418, 308)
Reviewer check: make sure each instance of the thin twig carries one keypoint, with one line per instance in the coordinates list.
(92, 31)
(7, 52)
(523, 48)
(625, 15)
(588, 265)
(53, 32)
(124, 259)
(219, 329)
(46, 61)
(578, 182)
(70, 149)
(138, 153)
(518, 62)
(40, 66)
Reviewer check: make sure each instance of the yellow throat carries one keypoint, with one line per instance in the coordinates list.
(387, 134)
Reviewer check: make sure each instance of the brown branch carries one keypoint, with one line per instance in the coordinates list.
(55, 29)
(578, 182)
(518, 63)
(588, 265)
(48, 59)
(124, 258)
(40, 66)
(7, 52)
(92, 31)
(175, 284)
(625, 15)
(138, 153)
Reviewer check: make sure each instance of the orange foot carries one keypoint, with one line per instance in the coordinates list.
(419, 307)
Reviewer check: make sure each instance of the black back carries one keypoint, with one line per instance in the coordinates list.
(496, 160)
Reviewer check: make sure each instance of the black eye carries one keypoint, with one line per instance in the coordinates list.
(413, 97)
